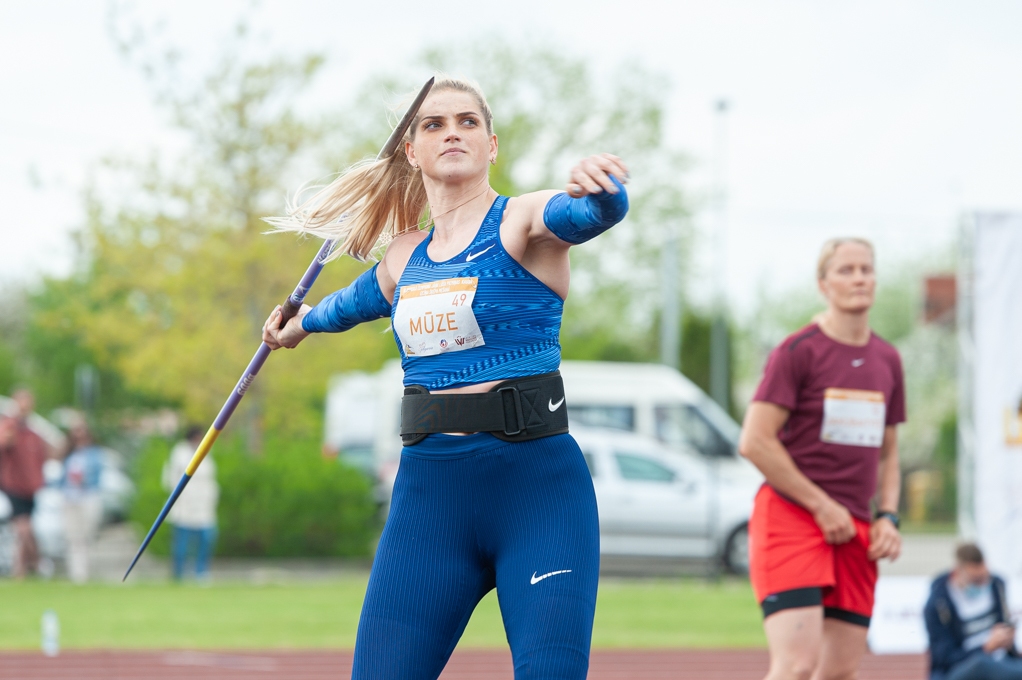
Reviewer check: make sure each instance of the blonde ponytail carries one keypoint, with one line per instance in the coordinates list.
(373, 201)
(363, 209)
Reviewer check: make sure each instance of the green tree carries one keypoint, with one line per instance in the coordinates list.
(176, 275)
(290, 502)
(8, 368)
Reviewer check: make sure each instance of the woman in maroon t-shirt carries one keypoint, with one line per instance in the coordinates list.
(822, 430)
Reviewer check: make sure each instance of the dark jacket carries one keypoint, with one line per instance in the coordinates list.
(944, 627)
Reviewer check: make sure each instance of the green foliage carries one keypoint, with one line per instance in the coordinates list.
(898, 306)
(945, 460)
(52, 348)
(696, 336)
(150, 494)
(894, 315)
(293, 501)
(695, 349)
(8, 368)
(289, 501)
(176, 275)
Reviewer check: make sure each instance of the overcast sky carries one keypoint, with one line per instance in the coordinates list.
(883, 119)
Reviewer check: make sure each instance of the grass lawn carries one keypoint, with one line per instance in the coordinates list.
(669, 613)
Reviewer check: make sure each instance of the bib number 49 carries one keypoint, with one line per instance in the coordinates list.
(436, 317)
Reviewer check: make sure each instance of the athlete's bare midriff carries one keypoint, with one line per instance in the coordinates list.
(469, 389)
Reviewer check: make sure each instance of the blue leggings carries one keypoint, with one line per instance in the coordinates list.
(469, 514)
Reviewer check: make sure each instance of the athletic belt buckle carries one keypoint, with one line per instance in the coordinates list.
(516, 399)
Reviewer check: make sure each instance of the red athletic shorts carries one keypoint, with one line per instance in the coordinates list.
(787, 553)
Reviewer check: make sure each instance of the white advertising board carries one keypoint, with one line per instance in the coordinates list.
(997, 390)
(898, 626)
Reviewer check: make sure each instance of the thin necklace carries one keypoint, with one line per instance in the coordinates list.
(384, 239)
(432, 218)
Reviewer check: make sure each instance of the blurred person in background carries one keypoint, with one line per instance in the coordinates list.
(492, 492)
(822, 428)
(967, 621)
(194, 515)
(22, 455)
(83, 504)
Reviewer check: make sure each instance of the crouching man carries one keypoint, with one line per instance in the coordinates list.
(967, 620)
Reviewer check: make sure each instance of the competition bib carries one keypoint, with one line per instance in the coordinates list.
(853, 417)
(436, 317)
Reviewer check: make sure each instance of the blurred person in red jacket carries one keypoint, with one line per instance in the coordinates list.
(22, 454)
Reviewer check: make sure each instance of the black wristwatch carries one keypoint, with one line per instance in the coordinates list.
(893, 516)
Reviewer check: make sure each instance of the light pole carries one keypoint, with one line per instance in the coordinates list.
(719, 342)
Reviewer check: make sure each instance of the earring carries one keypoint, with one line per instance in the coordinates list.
(493, 161)
(415, 167)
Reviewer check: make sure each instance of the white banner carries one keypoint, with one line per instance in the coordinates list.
(997, 390)
(898, 626)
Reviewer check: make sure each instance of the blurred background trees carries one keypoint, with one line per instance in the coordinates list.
(175, 274)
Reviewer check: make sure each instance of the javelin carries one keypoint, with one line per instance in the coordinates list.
(288, 310)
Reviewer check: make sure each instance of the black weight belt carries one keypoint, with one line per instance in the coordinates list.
(515, 410)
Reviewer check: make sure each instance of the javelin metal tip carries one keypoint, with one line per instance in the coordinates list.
(402, 127)
(159, 521)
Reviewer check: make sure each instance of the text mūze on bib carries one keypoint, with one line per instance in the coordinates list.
(853, 417)
(436, 317)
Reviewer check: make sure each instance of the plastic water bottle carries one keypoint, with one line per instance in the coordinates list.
(51, 633)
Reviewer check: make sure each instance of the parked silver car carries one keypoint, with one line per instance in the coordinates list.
(656, 501)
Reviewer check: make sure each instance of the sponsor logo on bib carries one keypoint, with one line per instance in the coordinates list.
(853, 417)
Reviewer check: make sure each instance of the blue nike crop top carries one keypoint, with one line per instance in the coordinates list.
(518, 316)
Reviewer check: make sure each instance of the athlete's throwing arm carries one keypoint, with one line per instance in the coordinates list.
(541, 226)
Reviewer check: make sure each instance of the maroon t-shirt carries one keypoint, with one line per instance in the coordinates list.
(840, 397)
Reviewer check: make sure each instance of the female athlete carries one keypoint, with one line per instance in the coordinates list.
(491, 490)
(822, 430)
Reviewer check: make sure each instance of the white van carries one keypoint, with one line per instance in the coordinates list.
(648, 399)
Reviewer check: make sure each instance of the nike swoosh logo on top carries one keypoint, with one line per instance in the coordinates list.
(536, 579)
(857, 362)
(472, 256)
(553, 407)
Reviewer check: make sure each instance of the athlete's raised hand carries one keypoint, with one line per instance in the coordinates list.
(884, 540)
(835, 522)
(290, 335)
(592, 175)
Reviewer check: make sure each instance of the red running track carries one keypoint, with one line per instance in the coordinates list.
(464, 665)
